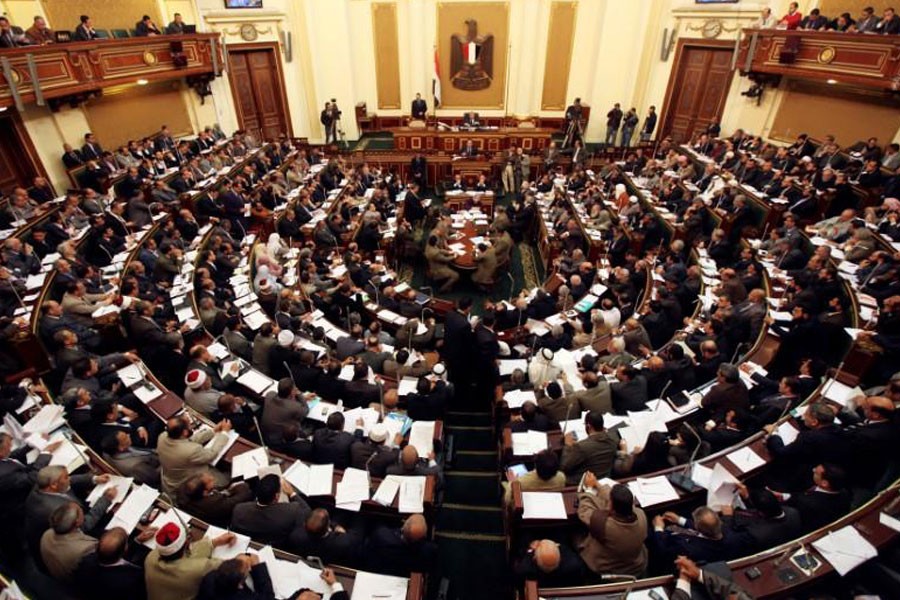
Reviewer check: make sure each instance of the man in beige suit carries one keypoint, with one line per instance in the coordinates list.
(595, 396)
(183, 455)
(80, 305)
(65, 544)
(503, 244)
(546, 476)
(616, 529)
(486, 271)
(174, 570)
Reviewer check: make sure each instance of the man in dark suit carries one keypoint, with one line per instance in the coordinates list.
(266, 520)
(71, 157)
(372, 454)
(328, 540)
(766, 521)
(872, 440)
(595, 453)
(91, 150)
(17, 478)
(728, 393)
(85, 30)
(418, 171)
(413, 211)
(54, 489)
(401, 551)
(334, 588)
(714, 542)
(825, 502)
(281, 409)
(820, 440)
(199, 497)
(458, 341)
(331, 444)
(107, 574)
(419, 108)
(228, 581)
(629, 392)
(487, 374)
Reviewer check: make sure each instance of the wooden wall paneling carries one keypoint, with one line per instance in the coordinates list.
(560, 42)
(387, 54)
(257, 85)
(105, 14)
(19, 161)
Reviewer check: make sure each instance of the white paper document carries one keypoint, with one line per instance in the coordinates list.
(310, 480)
(745, 459)
(516, 398)
(412, 495)
(133, 508)
(353, 487)
(233, 436)
(845, 549)
(121, 484)
(387, 490)
(528, 443)
(543, 505)
(247, 464)
(652, 491)
(421, 437)
(508, 366)
(370, 586)
(239, 546)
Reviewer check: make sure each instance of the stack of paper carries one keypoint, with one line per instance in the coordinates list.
(133, 508)
(745, 459)
(421, 437)
(412, 495)
(721, 488)
(510, 365)
(516, 398)
(387, 490)
(543, 505)
(370, 586)
(310, 480)
(352, 489)
(652, 491)
(407, 386)
(239, 546)
(255, 381)
(121, 484)
(248, 464)
(845, 549)
(838, 392)
(233, 436)
(528, 443)
(47, 419)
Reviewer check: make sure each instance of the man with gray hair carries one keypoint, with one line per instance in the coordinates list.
(706, 541)
(65, 544)
(728, 393)
(55, 489)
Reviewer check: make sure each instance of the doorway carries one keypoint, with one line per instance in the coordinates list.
(19, 164)
(698, 88)
(257, 86)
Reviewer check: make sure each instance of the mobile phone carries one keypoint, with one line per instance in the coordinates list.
(516, 471)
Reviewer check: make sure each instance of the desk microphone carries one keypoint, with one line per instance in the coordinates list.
(165, 496)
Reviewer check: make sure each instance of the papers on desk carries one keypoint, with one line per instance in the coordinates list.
(845, 549)
(256, 381)
(543, 505)
(652, 491)
(889, 521)
(745, 459)
(133, 508)
(516, 398)
(421, 437)
(371, 586)
(248, 464)
(130, 375)
(387, 490)
(528, 443)
(232, 438)
(538, 328)
(412, 494)
(239, 546)
(576, 427)
(407, 386)
(721, 487)
(508, 366)
(787, 432)
(68, 454)
(147, 392)
(49, 418)
(352, 489)
(310, 480)
(218, 351)
(645, 594)
(369, 418)
(121, 484)
(838, 392)
(256, 319)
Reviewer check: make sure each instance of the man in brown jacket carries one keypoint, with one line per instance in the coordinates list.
(616, 529)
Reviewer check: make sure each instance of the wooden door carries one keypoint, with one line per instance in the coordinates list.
(18, 160)
(698, 87)
(258, 90)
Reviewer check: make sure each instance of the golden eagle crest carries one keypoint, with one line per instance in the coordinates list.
(472, 59)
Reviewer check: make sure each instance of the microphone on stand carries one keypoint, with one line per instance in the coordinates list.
(165, 496)
(683, 479)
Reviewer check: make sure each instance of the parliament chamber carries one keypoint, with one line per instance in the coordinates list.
(449, 299)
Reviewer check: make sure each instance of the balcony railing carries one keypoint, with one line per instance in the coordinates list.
(64, 72)
(848, 58)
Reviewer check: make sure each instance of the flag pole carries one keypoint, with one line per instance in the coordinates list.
(506, 91)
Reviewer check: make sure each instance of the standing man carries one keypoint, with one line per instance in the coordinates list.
(418, 169)
(509, 172)
(327, 119)
(631, 121)
(649, 125)
(573, 121)
(613, 120)
(419, 108)
(524, 171)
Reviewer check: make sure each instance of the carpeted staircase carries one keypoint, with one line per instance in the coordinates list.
(469, 525)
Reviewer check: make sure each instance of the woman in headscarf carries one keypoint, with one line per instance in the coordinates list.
(276, 247)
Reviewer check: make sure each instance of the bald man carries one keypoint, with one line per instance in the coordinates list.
(401, 551)
(550, 563)
(411, 465)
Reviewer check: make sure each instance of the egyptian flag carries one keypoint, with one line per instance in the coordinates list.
(436, 80)
(470, 52)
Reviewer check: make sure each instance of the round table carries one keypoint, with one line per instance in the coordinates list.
(464, 235)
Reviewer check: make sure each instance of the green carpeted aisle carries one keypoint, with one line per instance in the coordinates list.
(469, 525)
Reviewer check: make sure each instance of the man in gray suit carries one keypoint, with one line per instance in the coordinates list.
(267, 520)
(280, 409)
(64, 544)
(595, 453)
(595, 396)
(54, 489)
(142, 465)
(183, 454)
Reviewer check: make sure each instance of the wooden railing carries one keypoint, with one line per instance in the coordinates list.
(847, 58)
(59, 73)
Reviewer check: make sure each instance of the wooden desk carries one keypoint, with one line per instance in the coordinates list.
(455, 200)
(485, 140)
(464, 236)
